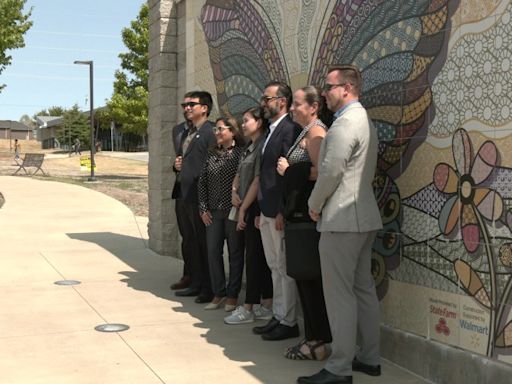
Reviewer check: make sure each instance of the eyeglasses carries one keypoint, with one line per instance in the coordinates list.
(266, 99)
(328, 87)
(190, 104)
(219, 129)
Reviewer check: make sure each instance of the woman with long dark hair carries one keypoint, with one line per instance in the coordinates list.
(258, 297)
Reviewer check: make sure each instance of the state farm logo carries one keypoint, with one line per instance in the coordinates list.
(442, 328)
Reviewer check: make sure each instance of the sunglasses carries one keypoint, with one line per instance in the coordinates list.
(190, 104)
(266, 99)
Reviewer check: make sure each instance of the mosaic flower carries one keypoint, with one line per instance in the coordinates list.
(470, 200)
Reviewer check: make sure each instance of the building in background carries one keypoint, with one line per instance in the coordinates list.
(10, 130)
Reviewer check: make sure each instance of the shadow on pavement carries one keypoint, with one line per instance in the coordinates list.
(154, 273)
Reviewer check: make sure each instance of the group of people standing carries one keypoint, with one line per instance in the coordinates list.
(291, 195)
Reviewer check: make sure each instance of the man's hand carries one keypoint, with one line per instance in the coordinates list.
(279, 222)
(177, 163)
(257, 222)
(315, 216)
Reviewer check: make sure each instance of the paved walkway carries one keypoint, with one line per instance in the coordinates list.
(139, 156)
(52, 231)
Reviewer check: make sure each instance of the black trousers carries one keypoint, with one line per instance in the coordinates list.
(316, 323)
(194, 236)
(257, 273)
(186, 243)
(220, 230)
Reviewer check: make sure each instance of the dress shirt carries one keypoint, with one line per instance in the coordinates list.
(272, 128)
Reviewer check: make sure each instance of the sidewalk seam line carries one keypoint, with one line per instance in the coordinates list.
(140, 357)
(74, 288)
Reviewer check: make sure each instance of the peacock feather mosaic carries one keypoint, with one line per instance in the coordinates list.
(437, 82)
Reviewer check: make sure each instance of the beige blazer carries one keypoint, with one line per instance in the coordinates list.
(343, 192)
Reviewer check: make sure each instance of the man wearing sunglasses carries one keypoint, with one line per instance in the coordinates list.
(344, 205)
(178, 133)
(276, 101)
(189, 162)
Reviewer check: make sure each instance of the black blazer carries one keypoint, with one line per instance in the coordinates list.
(177, 141)
(177, 136)
(270, 188)
(193, 161)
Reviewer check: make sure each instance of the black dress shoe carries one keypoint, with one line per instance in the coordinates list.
(281, 332)
(203, 299)
(187, 292)
(372, 370)
(324, 377)
(272, 323)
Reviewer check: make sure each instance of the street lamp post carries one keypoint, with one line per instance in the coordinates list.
(91, 111)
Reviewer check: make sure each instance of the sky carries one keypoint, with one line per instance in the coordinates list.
(42, 74)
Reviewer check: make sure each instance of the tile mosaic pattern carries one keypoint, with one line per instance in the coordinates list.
(476, 83)
(437, 85)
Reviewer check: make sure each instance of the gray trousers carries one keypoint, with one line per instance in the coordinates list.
(350, 298)
(284, 302)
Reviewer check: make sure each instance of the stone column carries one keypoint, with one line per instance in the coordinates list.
(163, 83)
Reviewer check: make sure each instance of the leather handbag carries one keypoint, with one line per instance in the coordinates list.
(302, 256)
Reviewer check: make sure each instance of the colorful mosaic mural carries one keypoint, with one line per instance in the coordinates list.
(437, 85)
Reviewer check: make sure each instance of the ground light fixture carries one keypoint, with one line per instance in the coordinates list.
(111, 327)
(67, 282)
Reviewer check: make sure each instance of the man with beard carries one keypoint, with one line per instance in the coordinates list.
(344, 205)
(276, 101)
(179, 132)
(189, 163)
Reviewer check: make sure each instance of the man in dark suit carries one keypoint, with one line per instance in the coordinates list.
(189, 163)
(179, 132)
(276, 101)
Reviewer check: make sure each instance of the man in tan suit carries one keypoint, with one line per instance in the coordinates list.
(344, 205)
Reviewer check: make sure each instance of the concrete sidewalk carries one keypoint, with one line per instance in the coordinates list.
(52, 231)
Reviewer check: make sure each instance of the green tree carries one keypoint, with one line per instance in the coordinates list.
(28, 121)
(52, 111)
(75, 126)
(129, 103)
(13, 26)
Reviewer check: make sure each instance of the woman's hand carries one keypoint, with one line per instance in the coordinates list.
(282, 164)
(240, 226)
(207, 218)
(235, 199)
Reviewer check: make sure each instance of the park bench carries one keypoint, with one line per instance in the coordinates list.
(31, 160)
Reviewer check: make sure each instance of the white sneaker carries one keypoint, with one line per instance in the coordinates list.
(262, 313)
(240, 316)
